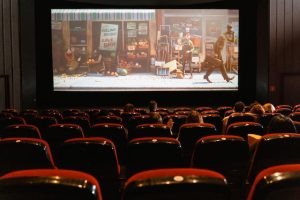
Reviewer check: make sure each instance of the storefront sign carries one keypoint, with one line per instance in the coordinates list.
(109, 37)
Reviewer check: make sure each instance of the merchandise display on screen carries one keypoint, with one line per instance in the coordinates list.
(145, 49)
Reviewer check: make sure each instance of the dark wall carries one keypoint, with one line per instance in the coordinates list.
(37, 72)
(284, 70)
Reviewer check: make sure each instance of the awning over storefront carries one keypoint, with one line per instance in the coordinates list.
(102, 14)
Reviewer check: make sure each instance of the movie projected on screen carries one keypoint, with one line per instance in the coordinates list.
(145, 49)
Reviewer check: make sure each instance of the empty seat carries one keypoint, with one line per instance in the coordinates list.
(297, 126)
(190, 133)
(21, 130)
(274, 149)
(96, 156)
(107, 119)
(284, 111)
(126, 117)
(214, 119)
(212, 111)
(57, 115)
(240, 117)
(153, 153)
(295, 116)
(114, 132)
(43, 122)
(203, 108)
(142, 111)
(176, 184)
(82, 121)
(150, 130)
(223, 109)
(49, 184)
(24, 153)
(284, 106)
(181, 109)
(165, 110)
(244, 128)
(4, 122)
(28, 116)
(277, 182)
(226, 154)
(116, 111)
(70, 111)
(56, 134)
(134, 121)
(182, 112)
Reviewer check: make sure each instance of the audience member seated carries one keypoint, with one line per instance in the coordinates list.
(152, 106)
(129, 107)
(257, 111)
(281, 124)
(194, 117)
(269, 108)
(278, 124)
(239, 107)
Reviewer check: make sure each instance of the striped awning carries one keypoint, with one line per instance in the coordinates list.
(102, 14)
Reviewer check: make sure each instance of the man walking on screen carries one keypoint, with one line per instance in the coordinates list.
(187, 50)
(216, 61)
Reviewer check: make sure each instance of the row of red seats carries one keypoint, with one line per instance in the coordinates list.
(277, 182)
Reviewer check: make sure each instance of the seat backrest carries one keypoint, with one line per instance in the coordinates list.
(295, 116)
(223, 109)
(201, 109)
(43, 122)
(114, 132)
(126, 117)
(21, 130)
(244, 128)
(150, 130)
(214, 119)
(265, 119)
(24, 153)
(153, 153)
(4, 122)
(134, 121)
(190, 133)
(274, 149)
(82, 121)
(178, 121)
(107, 119)
(49, 184)
(277, 182)
(284, 111)
(240, 117)
(95, 156)
(176, 184)
(56, 134)
(226, 154)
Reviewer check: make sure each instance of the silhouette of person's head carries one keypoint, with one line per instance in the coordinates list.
(152, 106)
(281, 124)
(194, 117)
(129, 107)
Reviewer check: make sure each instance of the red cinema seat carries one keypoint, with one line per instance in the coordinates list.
(82, 121)
(114, 132)
(150, 130)
(21, 130)
(24, 153)
(244, 128)
(226, 154)
(274, 149)
(153, 153)
(49, 184)
(277, 182)
(95, 156)
(108, 119)
(176, 184)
